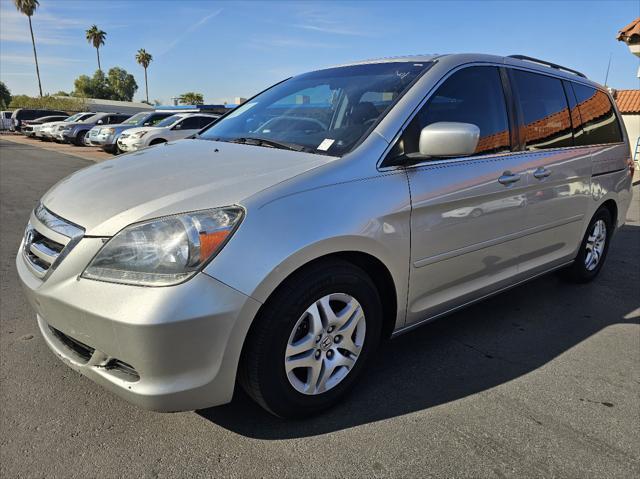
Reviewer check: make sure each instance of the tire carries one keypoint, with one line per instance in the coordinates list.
(157, 141)
(583, 268)
(79, 139)
(263, 374)
(476, 213)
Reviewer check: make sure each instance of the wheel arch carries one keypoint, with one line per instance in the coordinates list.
(612, 206)
(371, 265)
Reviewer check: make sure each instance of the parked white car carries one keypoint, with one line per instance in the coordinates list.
(175, 127)
(48, 130)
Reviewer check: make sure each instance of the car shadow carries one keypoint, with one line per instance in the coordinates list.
(483, 346)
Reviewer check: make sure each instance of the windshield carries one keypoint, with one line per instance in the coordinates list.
(326, 111)
(168, 121)
(73, 117)
(135, 119)
(92, 118)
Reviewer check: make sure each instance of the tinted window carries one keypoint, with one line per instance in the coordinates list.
(547, 123)
(205, 120)
(598, 118)
(472, 95)
(192, 123)
(118, 119)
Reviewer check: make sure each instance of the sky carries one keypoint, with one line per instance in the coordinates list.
(228, 49)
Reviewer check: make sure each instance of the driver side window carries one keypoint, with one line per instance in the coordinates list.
(471, 95)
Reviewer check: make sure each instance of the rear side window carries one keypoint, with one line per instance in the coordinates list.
(192, 123)
(471, 95)
(598, 118)
(546, 118)
(206, 120)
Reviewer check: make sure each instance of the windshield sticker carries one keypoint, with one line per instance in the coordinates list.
(326, 144)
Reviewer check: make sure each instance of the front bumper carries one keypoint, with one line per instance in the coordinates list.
(165, 348)
(100, 139)
(67, 136)
(130, 144)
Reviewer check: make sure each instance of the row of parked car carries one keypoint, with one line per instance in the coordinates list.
(113, 132)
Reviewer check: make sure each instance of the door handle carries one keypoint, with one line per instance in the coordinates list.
(541, 173)
(508, 178)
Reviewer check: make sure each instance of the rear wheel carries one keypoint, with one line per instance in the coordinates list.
(312, 340)
(593, 249)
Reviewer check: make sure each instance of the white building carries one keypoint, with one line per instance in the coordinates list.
(628, 102)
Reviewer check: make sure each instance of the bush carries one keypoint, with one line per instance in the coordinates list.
(48, 103)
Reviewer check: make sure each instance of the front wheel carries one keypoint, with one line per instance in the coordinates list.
(593, 249)
(79, 141)
(312, 340)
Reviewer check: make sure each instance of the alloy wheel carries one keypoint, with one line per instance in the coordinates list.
(325, 344)
(595, 245)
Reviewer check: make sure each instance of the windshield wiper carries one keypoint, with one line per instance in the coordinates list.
(271, 143)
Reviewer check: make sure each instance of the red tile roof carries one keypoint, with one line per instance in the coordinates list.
(628, 101)
(630, 33)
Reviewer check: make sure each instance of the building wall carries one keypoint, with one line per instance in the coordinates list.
(632, 124)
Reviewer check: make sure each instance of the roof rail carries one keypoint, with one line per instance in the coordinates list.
(549, 64)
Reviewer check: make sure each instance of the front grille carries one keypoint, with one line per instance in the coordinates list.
(47, 239)
(81, 349)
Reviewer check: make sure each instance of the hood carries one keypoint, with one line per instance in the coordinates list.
(76, 123)
(53, 124)
(122, 127)
(172, 178)
(133, 131)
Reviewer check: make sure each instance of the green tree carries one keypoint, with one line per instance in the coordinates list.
(5, 95)
(28, 7)
(61, 93)
(96, 37)
(192, 98)
(116, 85)
(92, 87)
(121, 85)
(144, 59)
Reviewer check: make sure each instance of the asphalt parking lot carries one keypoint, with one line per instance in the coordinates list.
(541, 381)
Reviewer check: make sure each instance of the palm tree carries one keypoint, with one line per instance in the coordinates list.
(96, 37)
(28, 7)
(143, 58)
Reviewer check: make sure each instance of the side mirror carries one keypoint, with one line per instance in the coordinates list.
(448, 139)
(99, 122)
(177, 127)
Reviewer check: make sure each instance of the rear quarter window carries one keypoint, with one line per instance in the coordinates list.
(599, 122)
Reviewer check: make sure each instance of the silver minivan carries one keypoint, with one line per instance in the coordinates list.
(335, 208)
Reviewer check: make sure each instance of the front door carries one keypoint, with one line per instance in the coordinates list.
(467, 213)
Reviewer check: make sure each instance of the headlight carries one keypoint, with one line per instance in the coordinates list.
(166, 250)
(66, 128)
(139, 134)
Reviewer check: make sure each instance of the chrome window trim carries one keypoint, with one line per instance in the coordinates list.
(433, 89)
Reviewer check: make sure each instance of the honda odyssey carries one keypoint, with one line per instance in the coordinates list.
(333, 209)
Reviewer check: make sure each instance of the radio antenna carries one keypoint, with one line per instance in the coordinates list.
(606, 78)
